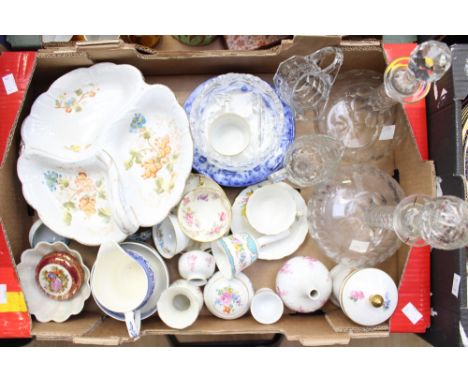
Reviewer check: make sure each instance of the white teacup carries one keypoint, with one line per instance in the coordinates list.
(229, 134)
(236, 252)
(266, 307)
(169, 238)
(180, 304)
(271, 209)
(196, 267)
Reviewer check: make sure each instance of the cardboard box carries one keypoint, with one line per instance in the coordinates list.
(182, 71)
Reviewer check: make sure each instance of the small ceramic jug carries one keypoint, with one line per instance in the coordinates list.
(180, 304)
(304, 284)
(196, 267)
(122, 282)
(367, 296)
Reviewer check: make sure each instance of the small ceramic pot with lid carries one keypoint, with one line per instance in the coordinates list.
(228, 298)
(304, 284)
(367, 296)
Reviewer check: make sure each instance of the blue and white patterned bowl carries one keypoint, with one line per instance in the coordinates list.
(266, 150)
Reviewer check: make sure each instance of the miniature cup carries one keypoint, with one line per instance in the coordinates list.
(266, 307)
(40, 232)
(122, 282)
(236, 252)
(169, 238)
(266, 201)
(180, 304)
(229, 134)
(196, 267)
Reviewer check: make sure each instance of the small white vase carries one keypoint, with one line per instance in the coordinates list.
(304, 284)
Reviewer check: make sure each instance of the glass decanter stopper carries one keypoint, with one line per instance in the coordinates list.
(304, 85)
(420, 220)
(360, 111)
(337, 215)
(309, 160)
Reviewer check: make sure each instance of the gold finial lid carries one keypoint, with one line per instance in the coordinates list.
(376, 300)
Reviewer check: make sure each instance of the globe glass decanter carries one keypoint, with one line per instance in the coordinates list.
(337, 215)
(420, 220)
(360, 111)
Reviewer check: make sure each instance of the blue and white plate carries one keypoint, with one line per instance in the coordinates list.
(270, 124)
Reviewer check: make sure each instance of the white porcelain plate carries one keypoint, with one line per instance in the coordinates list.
(79, 201)
(280, 248)
(68, 120)
(104, 122)
(153, 151)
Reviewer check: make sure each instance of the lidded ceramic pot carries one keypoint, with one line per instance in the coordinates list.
(304, 284)
(59, 275)
(228, 298)
(367, 296)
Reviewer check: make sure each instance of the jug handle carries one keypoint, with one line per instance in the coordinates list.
(329, 51)
(133, 322)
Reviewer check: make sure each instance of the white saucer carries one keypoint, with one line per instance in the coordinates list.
(281, 248)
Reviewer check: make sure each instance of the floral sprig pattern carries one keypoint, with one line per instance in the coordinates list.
(192, 221)
(74, 102)
(153, 155)
(356, 295)
(227, 300)
(80, 193)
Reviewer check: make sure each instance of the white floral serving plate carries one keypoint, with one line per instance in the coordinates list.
(104, 153)
(40, 305)
(68, 120)
(281, 248)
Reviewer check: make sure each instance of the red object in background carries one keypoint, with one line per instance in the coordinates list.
(16, 69)
(414, 290)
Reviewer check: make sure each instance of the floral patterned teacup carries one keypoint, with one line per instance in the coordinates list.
(196, 267)
(180, 304)
(169, 238)
(236, 252)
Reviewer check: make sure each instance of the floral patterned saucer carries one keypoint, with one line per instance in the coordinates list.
(228, 298)
(259, 113)
(204, 214)
(54, 280)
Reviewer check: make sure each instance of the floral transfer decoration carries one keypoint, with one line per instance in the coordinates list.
(79, 194)
(193, 222)
(227, 300)
(247, 251)
(74, 101)
(244, 201)
(387, 302)
(356, 295)
(54, 280)
(153, 155)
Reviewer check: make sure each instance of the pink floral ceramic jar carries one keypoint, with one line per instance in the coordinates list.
(304, 284)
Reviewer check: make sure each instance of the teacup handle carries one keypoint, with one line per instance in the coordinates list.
(265, 240)
(133, 322)
(332, 69)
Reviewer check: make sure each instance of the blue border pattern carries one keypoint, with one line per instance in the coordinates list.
(251, 176)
